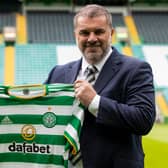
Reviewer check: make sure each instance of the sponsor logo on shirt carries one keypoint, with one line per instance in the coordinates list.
(6, 120)
(28, 132)
(29, 148)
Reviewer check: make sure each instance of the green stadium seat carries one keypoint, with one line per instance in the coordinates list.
(33, 62)
(137, 51)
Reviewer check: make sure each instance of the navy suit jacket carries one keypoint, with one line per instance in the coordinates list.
(126, 111)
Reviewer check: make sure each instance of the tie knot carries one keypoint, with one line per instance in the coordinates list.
(91, 69)
(90, 73)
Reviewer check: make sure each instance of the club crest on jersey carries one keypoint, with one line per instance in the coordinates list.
(49, 119)
(28, 132)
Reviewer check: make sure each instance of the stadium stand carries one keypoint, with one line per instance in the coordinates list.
(1, 64)
(162, 104)
(127, 51)
(7, 19)
(1, 37)
(165, 94)
(21, 29)
(137, 51)
(33, 62)
(40, 29)
(152, 26)
(9, 65)
(118, 21)
(134, 37)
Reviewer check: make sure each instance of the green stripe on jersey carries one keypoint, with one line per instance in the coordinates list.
(34, 119)
(60, 100)
(41, 139)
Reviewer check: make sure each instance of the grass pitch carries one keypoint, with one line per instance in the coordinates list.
(156, 147)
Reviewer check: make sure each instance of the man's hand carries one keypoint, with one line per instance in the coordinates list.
(84, 92)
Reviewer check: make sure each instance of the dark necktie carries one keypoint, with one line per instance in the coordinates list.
(90, 74)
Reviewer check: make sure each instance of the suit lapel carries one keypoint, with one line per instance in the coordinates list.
(72, 71)
(108, 71)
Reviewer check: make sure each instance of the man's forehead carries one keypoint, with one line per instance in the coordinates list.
(86, 17)
(85, 21)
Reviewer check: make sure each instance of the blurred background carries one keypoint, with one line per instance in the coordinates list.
(35, 35)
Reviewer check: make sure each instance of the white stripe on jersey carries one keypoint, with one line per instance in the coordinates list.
(60, 93)
(55, 149)
(35, 109)
(73, 133)
(79, 114)
(40, 129)
(27, 165)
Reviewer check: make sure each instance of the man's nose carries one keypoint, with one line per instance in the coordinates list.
(92, 37)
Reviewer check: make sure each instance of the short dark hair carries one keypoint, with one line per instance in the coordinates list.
(93, 11)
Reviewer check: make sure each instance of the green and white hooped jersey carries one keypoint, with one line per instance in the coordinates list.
(39, 125)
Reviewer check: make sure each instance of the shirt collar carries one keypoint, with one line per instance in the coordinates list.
(99, 65)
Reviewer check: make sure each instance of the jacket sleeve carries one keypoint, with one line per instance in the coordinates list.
(137, 113)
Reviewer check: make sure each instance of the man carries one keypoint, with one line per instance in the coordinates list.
(120, 105)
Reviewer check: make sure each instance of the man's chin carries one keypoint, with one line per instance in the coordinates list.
(93, 49)
(91, 55)
(92, 52)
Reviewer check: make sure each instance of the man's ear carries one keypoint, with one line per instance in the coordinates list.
(112, 31)
(74, 33)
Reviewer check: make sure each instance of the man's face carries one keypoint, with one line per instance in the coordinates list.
(93, 37)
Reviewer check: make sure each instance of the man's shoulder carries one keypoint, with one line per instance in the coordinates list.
(127, 60)
(133, 63)
(67, 65)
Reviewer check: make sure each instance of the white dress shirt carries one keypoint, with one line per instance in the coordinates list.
(94, 105)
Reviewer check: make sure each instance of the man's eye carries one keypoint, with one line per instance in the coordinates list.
(99, 32)
(84, 33)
